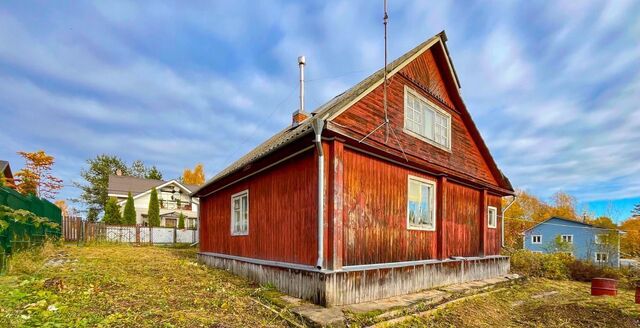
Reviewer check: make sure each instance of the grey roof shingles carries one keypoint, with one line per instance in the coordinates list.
(122, 185)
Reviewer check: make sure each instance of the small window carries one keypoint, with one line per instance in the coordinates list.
(426, 120)
(492, 217)
(421, 210)
(536, 239)
(537, 252)
(602, 257)
(240, 213)
(567, 239)
(600, 239)
(170, 223)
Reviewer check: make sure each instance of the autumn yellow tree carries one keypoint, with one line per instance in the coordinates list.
(630, 241)
(35, 177)
(195, 177)
(64, 208)
(603, 222)
(564, 206)
(527, 211)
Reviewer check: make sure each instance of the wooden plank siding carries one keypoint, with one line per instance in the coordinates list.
(424, 77)
(462, 224)
(375, 212)
(282, 215)
(494, 241)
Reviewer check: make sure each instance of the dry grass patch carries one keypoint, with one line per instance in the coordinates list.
(125, 286)
(538, 303)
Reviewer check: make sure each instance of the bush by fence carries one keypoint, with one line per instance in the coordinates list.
(25, 221)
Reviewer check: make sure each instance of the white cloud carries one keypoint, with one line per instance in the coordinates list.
(555, 95)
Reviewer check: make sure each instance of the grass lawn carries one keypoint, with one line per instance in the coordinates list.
(125, 286)
(538, 303)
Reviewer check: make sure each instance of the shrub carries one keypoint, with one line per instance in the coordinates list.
(585, 271)
(552, 266)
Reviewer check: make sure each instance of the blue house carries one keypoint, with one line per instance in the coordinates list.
(584, 241)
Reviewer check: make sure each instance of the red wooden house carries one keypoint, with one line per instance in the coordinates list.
(327, 216)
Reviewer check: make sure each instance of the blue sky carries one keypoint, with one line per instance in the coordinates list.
(554, 87)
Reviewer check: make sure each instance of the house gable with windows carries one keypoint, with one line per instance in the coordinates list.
(174, 199)
(337, 209)
(583, 241)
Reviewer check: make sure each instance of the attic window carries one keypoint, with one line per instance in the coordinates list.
(423, 119)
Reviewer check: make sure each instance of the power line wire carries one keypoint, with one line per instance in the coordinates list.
(252, 133)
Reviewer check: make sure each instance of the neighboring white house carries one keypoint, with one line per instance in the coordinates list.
(173, 196)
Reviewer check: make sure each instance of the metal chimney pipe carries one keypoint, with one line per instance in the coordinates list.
(301, 62)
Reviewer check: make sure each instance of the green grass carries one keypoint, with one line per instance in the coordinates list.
(125, 286)
(514, 306)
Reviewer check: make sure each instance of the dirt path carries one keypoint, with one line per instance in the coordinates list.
(125, 286)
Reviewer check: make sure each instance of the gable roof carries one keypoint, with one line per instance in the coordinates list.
(5, 167)
(162, 185)
(122, 185)
(563, 219)
(343, 101)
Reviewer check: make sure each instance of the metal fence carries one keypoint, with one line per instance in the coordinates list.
(82, 231)
(21, 235)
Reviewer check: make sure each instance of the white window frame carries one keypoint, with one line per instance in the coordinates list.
(436, 109)
(233, 218)
(432, 203)
(598, 238)
(533, 240)
(606, 255)
(570, 237)
(495, 217)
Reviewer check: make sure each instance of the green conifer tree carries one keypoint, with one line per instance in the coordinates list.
(154, 209)
(112, 212)
(181, 221)
(129, 211)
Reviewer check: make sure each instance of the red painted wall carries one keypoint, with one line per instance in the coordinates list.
(282, 214)
(494, 241)
(375, 212)
(461, 227)
(424, 76)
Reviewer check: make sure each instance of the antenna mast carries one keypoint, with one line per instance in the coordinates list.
(386, 123)
(384, 88)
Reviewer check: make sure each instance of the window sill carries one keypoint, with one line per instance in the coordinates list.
(421, 228)
(425, 139)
